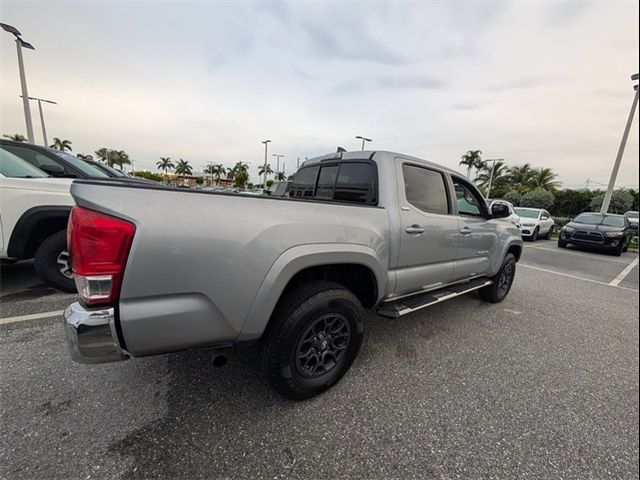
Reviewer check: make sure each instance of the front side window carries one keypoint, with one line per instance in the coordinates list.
(467, 199)
(425, 189)
(14, 167)
(35, 158)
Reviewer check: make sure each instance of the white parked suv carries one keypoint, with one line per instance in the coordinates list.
(535, 223)
(513, 216)
(34, 210)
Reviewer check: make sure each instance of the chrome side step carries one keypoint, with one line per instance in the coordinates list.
(403, 306)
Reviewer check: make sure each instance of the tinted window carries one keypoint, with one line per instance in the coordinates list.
(35, 158)
(13, 166)
(425, 189)
(84, 167)
(327, 182)
(304, 183)
(467, 199)
(356, 183)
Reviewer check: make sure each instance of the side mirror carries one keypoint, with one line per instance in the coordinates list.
(52, 169)
(634, 226)
(499, 210)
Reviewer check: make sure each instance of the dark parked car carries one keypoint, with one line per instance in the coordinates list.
(53, 162)
(600, 231)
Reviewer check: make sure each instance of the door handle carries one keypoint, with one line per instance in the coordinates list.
(466, 231)
(414, 230)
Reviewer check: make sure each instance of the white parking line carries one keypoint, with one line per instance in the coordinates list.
(623, 274)
(577, 253)
(33, 316)
(562, 274)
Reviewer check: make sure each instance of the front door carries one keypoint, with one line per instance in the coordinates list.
(428, 229)
(478, 236)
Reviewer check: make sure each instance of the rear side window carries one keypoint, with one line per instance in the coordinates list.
(354, 182)
(425, 189)
(35, 158)
(304, 183)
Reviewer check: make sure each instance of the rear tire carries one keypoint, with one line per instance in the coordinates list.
(502, 282)
(549, 233)
(52, 259)
(562, 243)
(312, 339)
(619, 250)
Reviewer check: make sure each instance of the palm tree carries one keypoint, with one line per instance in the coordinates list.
(103, 155)
(84, 156)
(118, 157)
(545, 178)
(522, 175)
(61, 145)
(16, 137)
(217, 170)
(183, 168)
(261, 170)
(281, 176)
(165, 164)
(472, 159)
(500, 175)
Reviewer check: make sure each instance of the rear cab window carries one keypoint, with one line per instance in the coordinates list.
(345, 182)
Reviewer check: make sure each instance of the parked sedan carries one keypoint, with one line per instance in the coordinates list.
(601, 231)
(535, 222)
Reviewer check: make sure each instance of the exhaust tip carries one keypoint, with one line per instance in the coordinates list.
(219, 361)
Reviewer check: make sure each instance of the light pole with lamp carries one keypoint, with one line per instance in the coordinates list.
(623, 144)
(23, 79)
(264, 181)
(493, 166)
(364, 139)
(44, 130)
(278, 157)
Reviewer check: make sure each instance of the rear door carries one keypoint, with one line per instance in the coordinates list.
(429, 230)
(477, 237)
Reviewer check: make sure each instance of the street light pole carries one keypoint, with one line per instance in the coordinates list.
(264, 181)
(23, 79)
(493, 166)
(278, 157)
(44, 130)
(623, 143)
(364, 139)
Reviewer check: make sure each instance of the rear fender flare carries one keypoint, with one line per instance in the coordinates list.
(294, 260)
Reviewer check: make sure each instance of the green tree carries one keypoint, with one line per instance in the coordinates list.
(84, 156)
(280, 176)
(240, 179)
(16, 137)
(621, 201)
(102, 154)
(165, 164)
(261, 170)
(62, 145)
(538, 198)
(522, 176)
(183, 168)
(472, 159)
(513, 196)
(149, 175)
(119, 158)
(500, 177)
(545, 178)
(217, 170)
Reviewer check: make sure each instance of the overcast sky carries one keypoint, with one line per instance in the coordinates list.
(539, 82)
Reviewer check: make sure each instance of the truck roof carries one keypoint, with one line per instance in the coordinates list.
(377, 155)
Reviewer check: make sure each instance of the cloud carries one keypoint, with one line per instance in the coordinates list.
(522, 82)
(407, 82)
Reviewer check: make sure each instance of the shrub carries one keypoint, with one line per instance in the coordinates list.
(514, 197)
(621, 201)
(538, 198)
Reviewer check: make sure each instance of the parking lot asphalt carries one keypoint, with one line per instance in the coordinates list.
(543, 385)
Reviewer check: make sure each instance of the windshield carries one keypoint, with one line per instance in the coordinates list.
(526, 213)
(80, 165)
(599, 219)
(14, 167)
(631, 214)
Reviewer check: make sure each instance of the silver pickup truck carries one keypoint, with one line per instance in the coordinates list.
(161, 270)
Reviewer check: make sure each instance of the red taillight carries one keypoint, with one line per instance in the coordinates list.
(98, 246)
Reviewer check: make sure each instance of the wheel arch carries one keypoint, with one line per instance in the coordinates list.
(34, 226)
(342, 263)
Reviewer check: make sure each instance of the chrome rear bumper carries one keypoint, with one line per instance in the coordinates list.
(91, 335)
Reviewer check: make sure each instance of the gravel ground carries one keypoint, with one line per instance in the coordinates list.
(543, 385)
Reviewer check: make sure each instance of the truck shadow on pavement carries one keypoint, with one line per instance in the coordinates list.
(227, 422)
